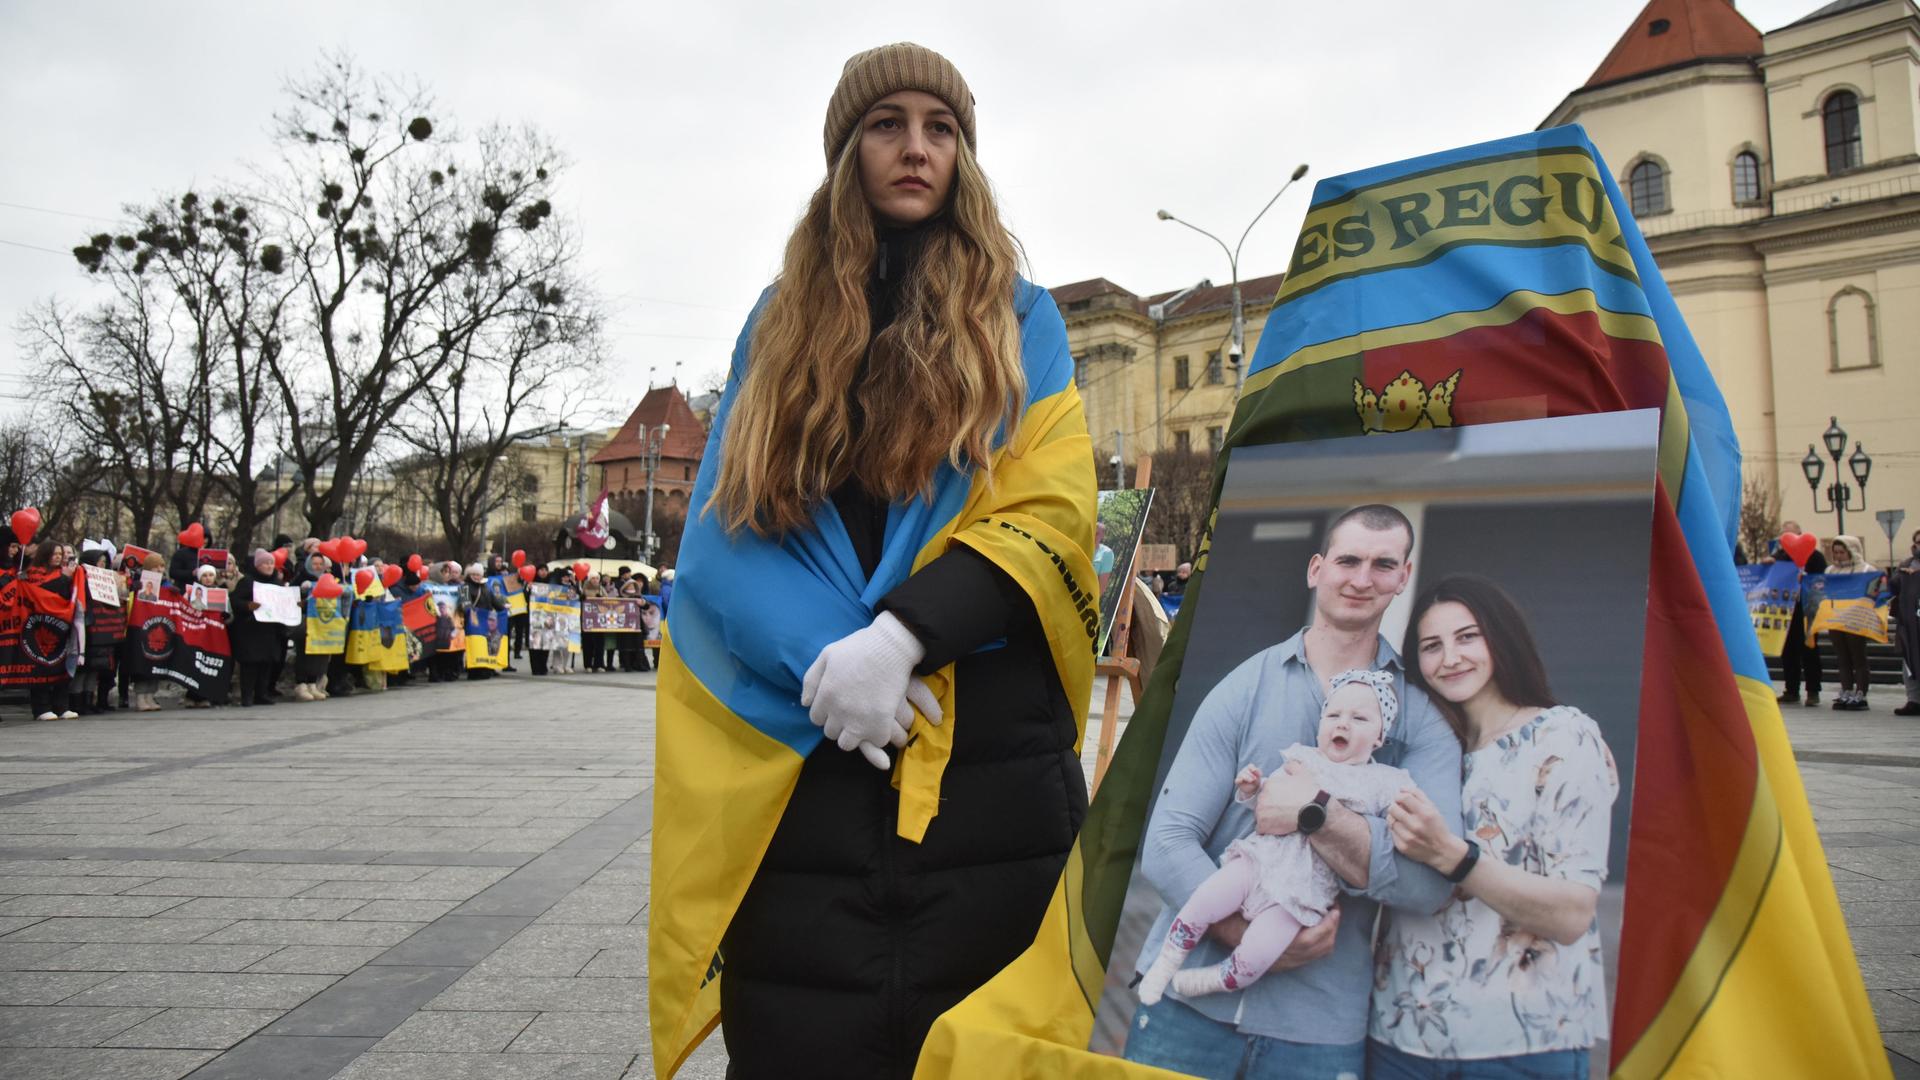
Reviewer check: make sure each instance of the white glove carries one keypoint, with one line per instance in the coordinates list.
(856, 689)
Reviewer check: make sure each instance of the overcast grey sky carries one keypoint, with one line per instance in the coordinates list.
(693, 130)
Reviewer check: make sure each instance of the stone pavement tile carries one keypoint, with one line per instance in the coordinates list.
(137, 907)
(497, 857)
(37, 884)
(487, 1067)
(316, 872)
(1887, 864)
(122, 957)
(477, 993)
(257, 886)
(456, 1032)
(456, 940)
(241, 907)
(63, 867)
(26, 955)
(443, 883)
(310, 932)
(1895, 1011)
(616, 904)
(46, 987)
(114, 929)
(625, 962)
(1860, 840)
(1864, 888)
(1905, 1043)
(552, 962)
(70, 1064)
(416, 911)
(1885, 939)
(1882, 913)
(284, 1057)
(56, 1025)
(1890, 971)
(204, 990)
(370, 1002)
(584, 1033)
(1904, 1068)
(620, 875)
(317, 959)
(195, 1029)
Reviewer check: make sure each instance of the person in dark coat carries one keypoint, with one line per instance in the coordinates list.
(850, 940)
(1904, 582)
(257, 646)
(1800, 656)
(478, 594)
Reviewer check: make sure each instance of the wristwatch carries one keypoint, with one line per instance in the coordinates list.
(1313, 815)
(1466, 863)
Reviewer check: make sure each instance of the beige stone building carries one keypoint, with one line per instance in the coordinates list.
(1777, 178)
(542, 476)
(1153, 370)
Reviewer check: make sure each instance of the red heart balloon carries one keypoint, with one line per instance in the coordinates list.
(363, 580)
(390, 575)
(359, 547)
(415, 563)
(330, 550)
(527, 572)
(581, 570)
(25, 523)
(519, 559)
(193, 536)
(1799, 546)
(326, 587)
(279, 558)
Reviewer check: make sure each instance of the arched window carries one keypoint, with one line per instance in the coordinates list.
(1647, 188)
(1840, 117)
(1852, 334)
(1746, 177)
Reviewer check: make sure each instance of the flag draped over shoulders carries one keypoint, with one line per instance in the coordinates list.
(751, 614)
(1499, 282)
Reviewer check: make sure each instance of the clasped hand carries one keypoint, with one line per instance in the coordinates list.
(860, 691)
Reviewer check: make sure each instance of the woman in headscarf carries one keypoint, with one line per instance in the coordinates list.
(1847, 555)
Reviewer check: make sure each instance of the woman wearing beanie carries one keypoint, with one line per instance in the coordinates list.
(868, 789)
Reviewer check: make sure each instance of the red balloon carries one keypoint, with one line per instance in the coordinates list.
(415, 563)
(331, 550)
(25, 523)
(363, 579)
(193, 536)
(359, 547)
(527, 572)
(1798, 547)
(326, 587)
(390, 575)
(279, 558)
(519, 559)
(581, 570)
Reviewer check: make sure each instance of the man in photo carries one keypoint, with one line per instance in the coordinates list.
(1308, 1016)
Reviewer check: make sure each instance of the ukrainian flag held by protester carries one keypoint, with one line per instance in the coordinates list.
(326, 625)
(486, 638)
(732, 734)
(1846, 602)
(1498, 282)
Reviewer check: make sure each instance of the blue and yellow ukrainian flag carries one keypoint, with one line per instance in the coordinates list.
(732, 733)
(1498, 282)
(1847, 603)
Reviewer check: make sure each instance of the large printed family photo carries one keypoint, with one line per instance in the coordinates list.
(1390, 826)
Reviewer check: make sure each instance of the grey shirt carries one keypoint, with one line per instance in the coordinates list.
(1268, 703)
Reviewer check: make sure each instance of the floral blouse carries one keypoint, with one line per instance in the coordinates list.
(1462, 984)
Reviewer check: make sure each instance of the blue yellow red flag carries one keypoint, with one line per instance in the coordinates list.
(1496, 282)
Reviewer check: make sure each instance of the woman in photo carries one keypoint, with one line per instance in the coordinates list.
(897, 386)
(1508, 975)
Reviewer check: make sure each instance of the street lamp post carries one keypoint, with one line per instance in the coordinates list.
(1237, 348)
(1839, 493)
(653, 441)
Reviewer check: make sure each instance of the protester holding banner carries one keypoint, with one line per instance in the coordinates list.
(256, 644)
(48, 573)
(103, 609)
(1904, 583)
(593, 644)
(899, 474)
(487, 627)
(309, 664)
(1800, 655)
(1846, 556)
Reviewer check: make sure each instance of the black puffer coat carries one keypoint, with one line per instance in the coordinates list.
(851, 941)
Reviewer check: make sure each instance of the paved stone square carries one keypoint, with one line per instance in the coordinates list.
(450, 882)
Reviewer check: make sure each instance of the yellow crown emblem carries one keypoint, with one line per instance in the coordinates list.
(1405, 404)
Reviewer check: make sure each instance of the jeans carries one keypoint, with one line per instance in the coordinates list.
(1388, 1063)
(1172, 1036)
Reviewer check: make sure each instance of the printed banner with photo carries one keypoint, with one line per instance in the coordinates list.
(1772, 589)
(176, 641)
(486, 638)
(553, 617)
(1121, 518)
(613, 615)
(516, 593)
(36, 633)
(1846, 603)
(326, 626)
(449, 627)
(1495, 578)
(208, 598)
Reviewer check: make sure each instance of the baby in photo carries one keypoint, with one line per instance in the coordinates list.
(1277, 882)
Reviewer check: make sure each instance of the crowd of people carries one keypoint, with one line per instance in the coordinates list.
(271, 662)
(1800, 658)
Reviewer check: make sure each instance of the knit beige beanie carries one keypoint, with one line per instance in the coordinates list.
(872, 75)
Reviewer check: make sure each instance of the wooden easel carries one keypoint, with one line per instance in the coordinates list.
(1117, 664)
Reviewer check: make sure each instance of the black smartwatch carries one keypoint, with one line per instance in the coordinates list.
(1466, 864)
(1313, 815)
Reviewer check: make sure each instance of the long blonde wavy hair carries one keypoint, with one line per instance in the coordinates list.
(944, 379)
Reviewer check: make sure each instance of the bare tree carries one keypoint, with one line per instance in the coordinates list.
(384, 223)
(1759, 515)
(40, 469)
(1182, 500)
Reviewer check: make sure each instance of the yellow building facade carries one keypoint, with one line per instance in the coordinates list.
(1777, 179)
